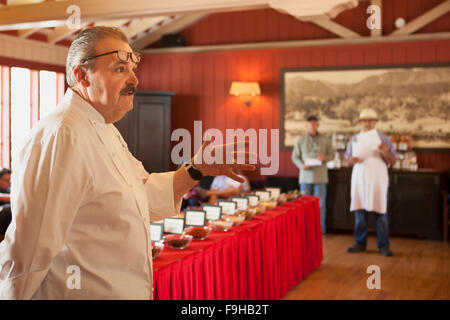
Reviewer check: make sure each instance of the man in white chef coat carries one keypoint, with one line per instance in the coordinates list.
(370, 152)
(81, 203)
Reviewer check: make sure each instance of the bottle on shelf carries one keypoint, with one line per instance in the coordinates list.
(403, 143)
(394, 139)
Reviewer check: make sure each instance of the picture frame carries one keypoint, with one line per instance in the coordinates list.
(409, 99)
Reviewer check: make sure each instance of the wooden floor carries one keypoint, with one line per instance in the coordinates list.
(419, 269)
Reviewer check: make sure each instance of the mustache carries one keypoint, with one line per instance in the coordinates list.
(127, 89)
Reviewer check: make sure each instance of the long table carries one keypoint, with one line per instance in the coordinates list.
(262, 258)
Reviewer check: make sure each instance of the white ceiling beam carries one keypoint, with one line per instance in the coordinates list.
(52, 14)
(300, 43)
(60, 33)
(334, 27)
(175, 26)
(423, 19)
(32, 50)
(309, 9)
(20, 2)
(139, 25)
(112, 23)
(24, 33)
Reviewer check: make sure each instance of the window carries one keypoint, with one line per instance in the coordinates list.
(26, 96)
(20, 107)
(47, 92)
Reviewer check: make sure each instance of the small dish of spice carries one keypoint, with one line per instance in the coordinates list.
(221, 225)
(179, 241)
(237, 219)
(157, 248)
(199, 233)
(248, 213)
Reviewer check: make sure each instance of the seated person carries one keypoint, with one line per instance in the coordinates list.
(5, 220)
(5, 186)
(197, 195)
(224, 187)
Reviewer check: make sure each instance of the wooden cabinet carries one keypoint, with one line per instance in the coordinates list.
(147, 129)
(413, 203)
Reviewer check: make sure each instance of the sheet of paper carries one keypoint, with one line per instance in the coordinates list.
(371, 139)
(313, 162)
(366, 144)
(361, 151)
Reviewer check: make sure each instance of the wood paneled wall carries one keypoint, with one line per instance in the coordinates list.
(202, 80)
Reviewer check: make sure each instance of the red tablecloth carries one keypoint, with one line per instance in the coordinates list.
(260, 259)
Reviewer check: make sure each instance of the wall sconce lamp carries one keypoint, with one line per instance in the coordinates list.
(245, 91)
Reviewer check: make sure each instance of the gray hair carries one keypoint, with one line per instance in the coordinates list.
(84, 46)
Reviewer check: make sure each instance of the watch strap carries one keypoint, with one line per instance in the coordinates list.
(193, 172)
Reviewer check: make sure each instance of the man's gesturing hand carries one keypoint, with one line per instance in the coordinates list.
(225, 160)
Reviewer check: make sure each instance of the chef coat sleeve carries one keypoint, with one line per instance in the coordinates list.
(49, 184)
(159, 190)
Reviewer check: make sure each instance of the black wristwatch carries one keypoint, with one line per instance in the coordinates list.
(193, 172)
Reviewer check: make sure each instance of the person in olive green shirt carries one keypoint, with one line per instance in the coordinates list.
(313, 179)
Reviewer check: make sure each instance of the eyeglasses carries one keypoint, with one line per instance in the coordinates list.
(121, 55)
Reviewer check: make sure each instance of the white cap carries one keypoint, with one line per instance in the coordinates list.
(368, 114)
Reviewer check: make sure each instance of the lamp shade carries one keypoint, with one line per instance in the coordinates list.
(239, 88)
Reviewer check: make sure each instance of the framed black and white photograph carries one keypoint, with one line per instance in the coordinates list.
(408, 100)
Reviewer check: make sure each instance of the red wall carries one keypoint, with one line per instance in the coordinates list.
(202, 80)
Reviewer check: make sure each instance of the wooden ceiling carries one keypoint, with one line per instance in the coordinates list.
(145, 22)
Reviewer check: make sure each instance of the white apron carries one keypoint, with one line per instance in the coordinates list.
(370, 181)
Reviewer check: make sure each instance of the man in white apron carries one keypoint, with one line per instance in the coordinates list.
(370, 152)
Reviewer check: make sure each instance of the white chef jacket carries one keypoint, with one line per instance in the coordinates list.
(80, 200)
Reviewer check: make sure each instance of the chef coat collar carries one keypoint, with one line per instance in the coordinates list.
(73, 98)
